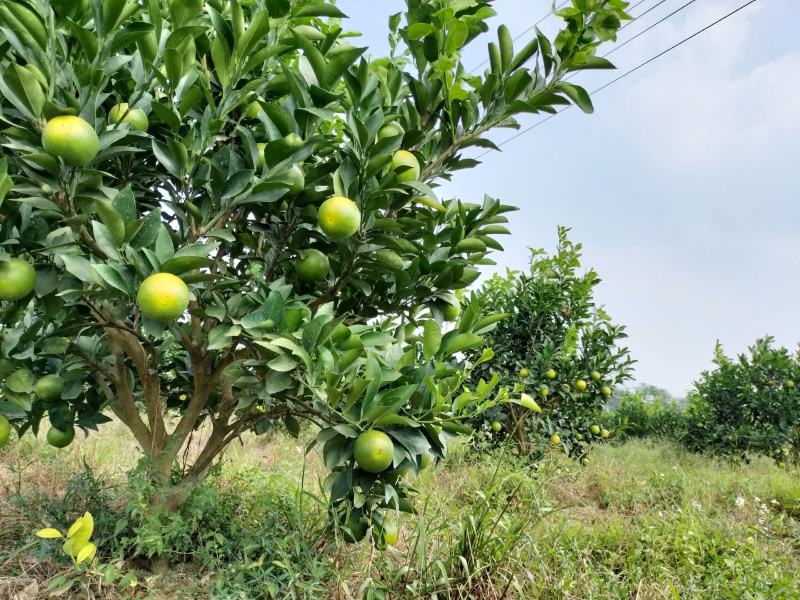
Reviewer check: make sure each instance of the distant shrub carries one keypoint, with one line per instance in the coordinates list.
(748, 405)
(646, 412)
(558, 346)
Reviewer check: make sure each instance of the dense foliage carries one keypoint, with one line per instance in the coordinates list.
(748, 405)
(556, 345)
(646, 412)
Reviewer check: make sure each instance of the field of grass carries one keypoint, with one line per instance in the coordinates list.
(641, 520)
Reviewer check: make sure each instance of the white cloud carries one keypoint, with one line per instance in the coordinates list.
(707, 104)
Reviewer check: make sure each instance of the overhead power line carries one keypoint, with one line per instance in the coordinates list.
(640, 15)
(551, 13)
(629, 72)
(646, 29)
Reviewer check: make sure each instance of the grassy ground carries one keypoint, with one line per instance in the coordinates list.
(642, 520)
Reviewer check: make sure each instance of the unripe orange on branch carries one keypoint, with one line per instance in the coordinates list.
(163, 297)
(339, 217)
(71, 139)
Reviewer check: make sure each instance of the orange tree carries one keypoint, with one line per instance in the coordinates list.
(232, 218)
(747, 405)
(558, 347)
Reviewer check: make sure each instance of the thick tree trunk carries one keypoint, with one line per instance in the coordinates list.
(169, 496)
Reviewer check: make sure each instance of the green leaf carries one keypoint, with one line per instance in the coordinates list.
(255, 32)
(105, 241)
(197, 249)
(583, 63)
(164, 248)
(148, 232)
(182, 264)
(387, 401)
(112, 12)
(282, 363)
(20, 381)
(14, 90)
(112, 220)
(266, 193)
(456, 36)
(112, 277)
(578, 95)
(460, 342)
(125, 204)
(237, 183)
(431, 338)
(80, 267)
(220, 337)
(320, 9)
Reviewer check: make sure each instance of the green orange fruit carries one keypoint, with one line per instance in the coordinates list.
(340, 333)
(450, 311)
(596, 376)
(293, 317)
(391, 531)
(544, 391)
(551, 374)
(595, 429)
(17, 278)
(496, 426)
(403, 159)
(606, 391)
(605, 433)
(71, 139)
(353, 342)
(524, 372)
(555, 439)
(374, 451)
(313, 266)
(389, 130)
(136, 118)
(163, 297)
(790, 384)
(59, 438)
(339, 217)
(49, 388)
(581, 385)
(5, 431)
(354, 528)
(297, 180)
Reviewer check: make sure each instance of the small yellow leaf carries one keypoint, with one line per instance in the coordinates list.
(526, 401)
(49, 533)
(87, 553)
(82, 528)
(74, 546)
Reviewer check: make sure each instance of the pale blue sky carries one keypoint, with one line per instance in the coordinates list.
(684, 186)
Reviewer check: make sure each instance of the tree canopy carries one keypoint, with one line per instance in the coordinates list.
(227, 143)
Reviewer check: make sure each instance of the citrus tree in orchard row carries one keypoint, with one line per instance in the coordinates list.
(225, 210)
(557, 348)
(748, 405)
